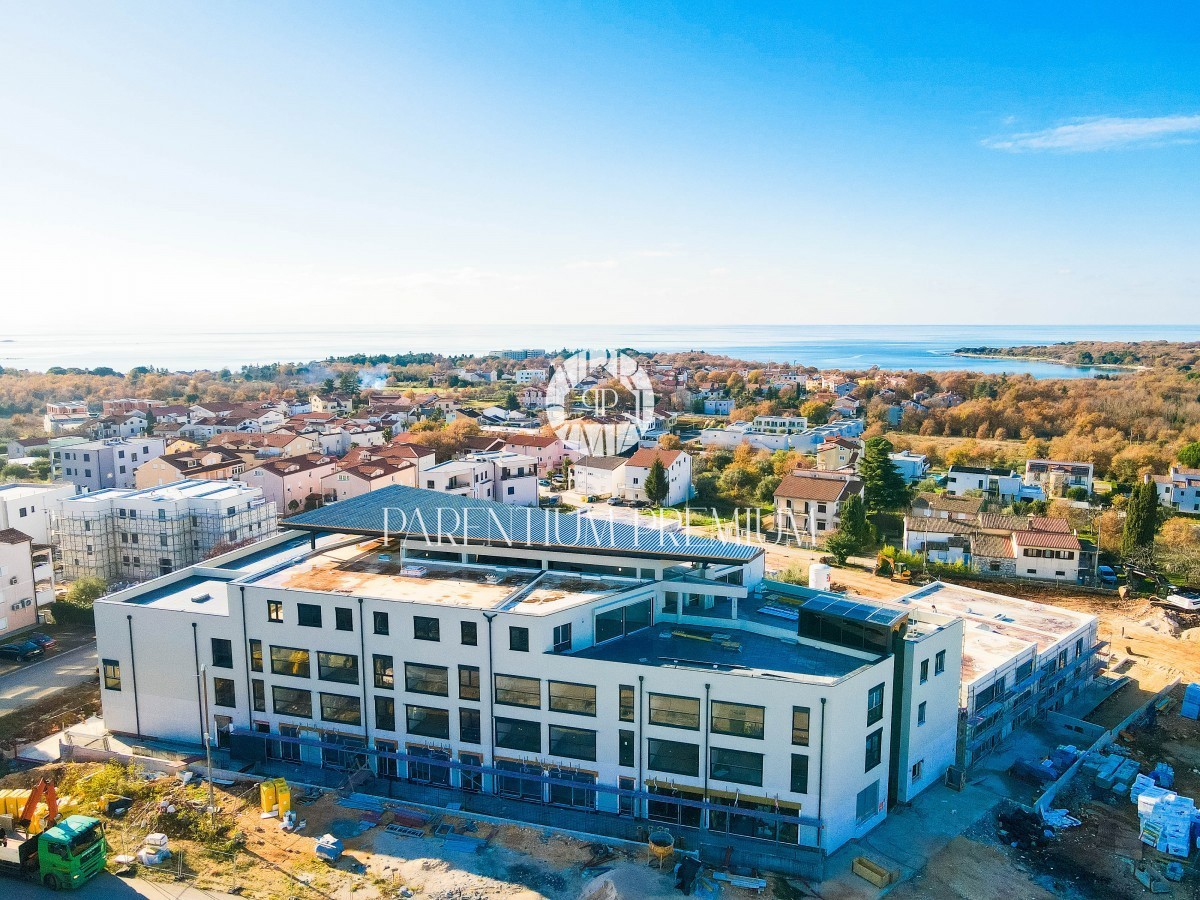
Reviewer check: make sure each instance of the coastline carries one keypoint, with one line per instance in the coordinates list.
(1049, 359)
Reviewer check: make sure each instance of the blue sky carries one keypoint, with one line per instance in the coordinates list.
(248, 164)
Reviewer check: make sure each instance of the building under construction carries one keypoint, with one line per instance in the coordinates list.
(124, 535)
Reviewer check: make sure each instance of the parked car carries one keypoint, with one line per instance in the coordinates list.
(1108, 576)
(551, 499)
(638, 504)
(1189, 600)
(20, 651)
(615, 501)
(544, 482)
(43, 640)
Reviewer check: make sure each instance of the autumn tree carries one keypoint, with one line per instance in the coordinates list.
(670, 442)
(884, 485)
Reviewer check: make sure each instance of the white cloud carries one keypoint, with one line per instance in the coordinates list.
(1103, 133)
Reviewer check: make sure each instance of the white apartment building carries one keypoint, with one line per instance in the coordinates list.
(530, 376)
(1020, 659)
(498, 475)
(677, 467)
(122, 535)
(1003, 485)
(543, 657)
(96, 465)
(28, 507)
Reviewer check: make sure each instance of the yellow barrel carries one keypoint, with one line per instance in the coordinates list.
(267, 796)
(283, 793)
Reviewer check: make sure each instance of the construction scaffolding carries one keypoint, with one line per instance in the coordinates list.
(120, 544)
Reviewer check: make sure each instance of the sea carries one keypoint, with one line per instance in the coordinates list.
(922, 348)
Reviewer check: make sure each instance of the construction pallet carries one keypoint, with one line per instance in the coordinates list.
(405, 831)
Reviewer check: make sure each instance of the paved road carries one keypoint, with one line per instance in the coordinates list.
(38, 680)
(110, 887)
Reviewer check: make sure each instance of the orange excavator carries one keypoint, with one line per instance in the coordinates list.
(43, 790)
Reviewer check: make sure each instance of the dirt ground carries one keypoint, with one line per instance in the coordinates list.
(55, 713)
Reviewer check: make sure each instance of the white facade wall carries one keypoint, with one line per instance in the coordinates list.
(18, 596)
(28, 507)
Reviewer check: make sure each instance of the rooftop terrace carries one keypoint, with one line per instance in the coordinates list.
(373, 569)
(1022, 620)
(726, 650)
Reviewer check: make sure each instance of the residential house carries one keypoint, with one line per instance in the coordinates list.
(292, 483)
(1056, 477)
(1042, 547)
(1179, 489)
(207, 464)
(946, 506)
(18, 592)
(838, 453)
(810, 503)
(362, 478)
(912, 466)
(65, 417)
(281, 442)
(718, 406)
(1003, 485)
(121, 407)
(533, 397)
(333, 402)
(602, 476)
(547, 449)
(677, 465)
(530, 376)
(95, 465)
(502, 476)
(119, 425)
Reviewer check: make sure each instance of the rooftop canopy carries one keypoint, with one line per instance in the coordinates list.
(436, 517)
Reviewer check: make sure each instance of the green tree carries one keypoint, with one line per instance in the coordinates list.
(1141, 519)
(885, 486)
(854, 524)
(1189, 455)
(86, 590)
(839, 545)
(511, 402)
(707, 485)
(656, 482)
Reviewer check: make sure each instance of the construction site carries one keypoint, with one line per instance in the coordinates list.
(130, 536)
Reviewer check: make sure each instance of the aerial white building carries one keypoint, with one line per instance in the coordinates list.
(498, 475)
(483, 648)
(1020, 659)
(27, 507)
(122, 535)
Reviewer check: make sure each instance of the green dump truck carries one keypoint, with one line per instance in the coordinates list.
(66, 855)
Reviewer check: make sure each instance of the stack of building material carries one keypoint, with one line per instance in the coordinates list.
(1168, 820)
(1191, 702)
(1163, 775)
(1124, 776)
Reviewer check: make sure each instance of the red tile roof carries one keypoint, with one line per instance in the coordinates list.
(645, 456)
(821, 488)
(1050, 539)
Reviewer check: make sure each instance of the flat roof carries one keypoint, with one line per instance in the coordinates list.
(371, 569)
(404, 511)
(176, 490)
(727, 650)
(1024, 620)
(17, 490)
(984, 651)
(186, 595)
